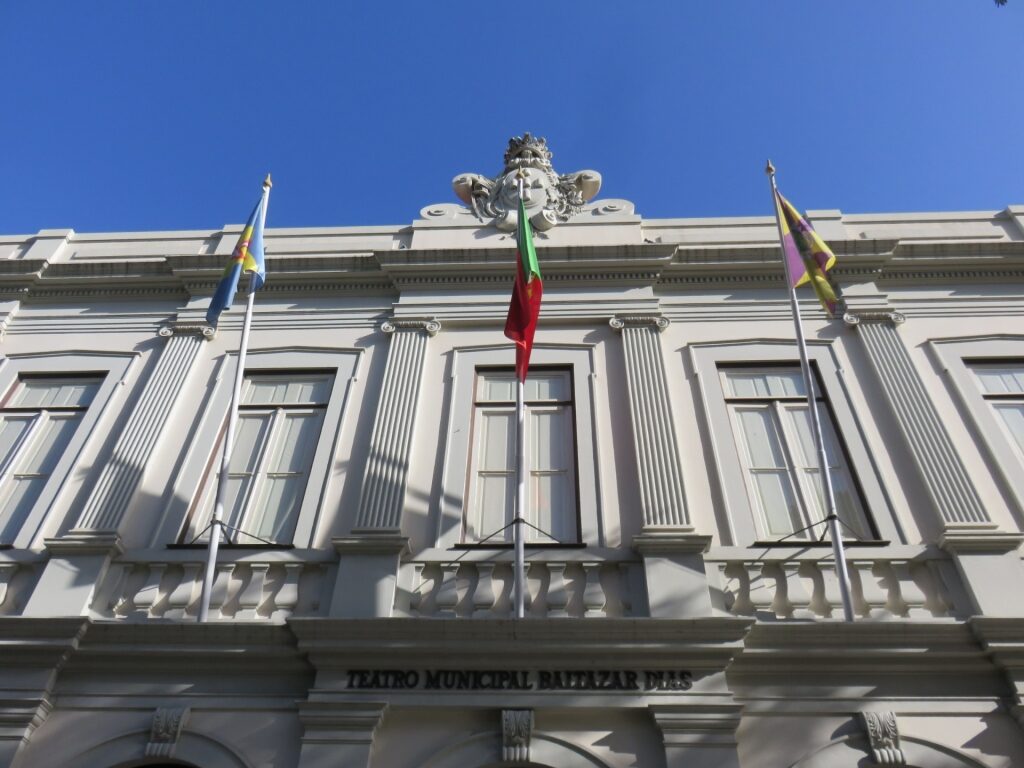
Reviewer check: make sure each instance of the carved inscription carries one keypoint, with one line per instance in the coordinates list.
(657, 680)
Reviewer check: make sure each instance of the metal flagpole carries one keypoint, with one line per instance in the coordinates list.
(517, 529)
(229, 438)
(812, 408)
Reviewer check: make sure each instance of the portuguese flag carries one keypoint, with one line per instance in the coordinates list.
(524, 307)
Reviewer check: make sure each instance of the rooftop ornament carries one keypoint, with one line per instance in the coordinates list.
(549, 198)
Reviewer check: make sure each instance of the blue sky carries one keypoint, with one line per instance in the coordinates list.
(166, 115)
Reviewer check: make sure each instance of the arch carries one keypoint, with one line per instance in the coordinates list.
(483, 750)
(919, 753)
(193, 750)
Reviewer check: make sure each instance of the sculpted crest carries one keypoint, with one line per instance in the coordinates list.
(549, 198)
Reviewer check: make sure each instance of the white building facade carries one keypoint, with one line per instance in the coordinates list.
(683, 605)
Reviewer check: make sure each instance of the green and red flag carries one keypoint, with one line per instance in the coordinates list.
(524, 307)
(807, 256)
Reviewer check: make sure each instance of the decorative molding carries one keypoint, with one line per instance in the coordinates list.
(430, 326)
(853, 318)
(387, 467)
(942, 470)
(697, 725)
(122, 472)
(516, 731)
(166, 730)
(883, 737)
(654, 436)
(548, 197)
(658, 321)
(187, 328)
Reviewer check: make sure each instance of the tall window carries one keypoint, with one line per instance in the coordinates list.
(280, 417)
(551, 457)
(772, 427)
(37, 421)
(1002, 385)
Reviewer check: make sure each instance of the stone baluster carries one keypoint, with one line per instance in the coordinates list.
(147, 597)
(221, 584)
(416, 594)
(250, 599)
(448, 592)
(797, 596)
(181, 596)
(594, 597)
(287, 596)
(830, 585)
(7, 571)
(483, 595)
(626, 593)
(912, 596)
(558, 593)
(873, 593)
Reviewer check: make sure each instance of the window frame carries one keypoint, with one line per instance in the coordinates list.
(471, 480)
(578, 360)
(740, 521)
(956, 356)
(112, 368)
(202, 459)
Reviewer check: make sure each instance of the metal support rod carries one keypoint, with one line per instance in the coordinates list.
(832, 515)
(520, 511)
(518, 532)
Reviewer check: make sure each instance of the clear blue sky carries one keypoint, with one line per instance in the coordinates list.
(153, 114)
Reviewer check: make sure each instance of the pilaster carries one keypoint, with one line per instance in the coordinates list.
(34, 651)
(120, 476)
(944, 474)
(699, 735)
(338, 733)
(677, 582)
(654, 437)
(384, 482)
(990, 567)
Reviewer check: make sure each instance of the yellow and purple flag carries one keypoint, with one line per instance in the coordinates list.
(807, 256)
(247, 257)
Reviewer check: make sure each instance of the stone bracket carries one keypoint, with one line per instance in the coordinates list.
(165, 731)
(516, 731)
(883, 737)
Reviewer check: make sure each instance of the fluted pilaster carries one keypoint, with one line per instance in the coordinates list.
(654, 437)
(943, 472)
(383, 493)
(120, 476)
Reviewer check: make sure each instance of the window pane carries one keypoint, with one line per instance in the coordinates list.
(548, 385)
(296, 442)
(1000, 379)
(12, 429)
(552, 484)
(16, 501)
(281, 390)
(55, 392)
(759, 436)
(1012, 415)
(48, 444)
(494, 497)
(781, 382)
(495, 386)
(774, 497)
(274, 515)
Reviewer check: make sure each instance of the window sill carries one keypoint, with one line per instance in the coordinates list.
(528, 545)
(816, 544)
(225, 545)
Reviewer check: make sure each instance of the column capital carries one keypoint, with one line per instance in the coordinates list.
(187, 329)
(658, 321)
(429, 325)
(854, 317)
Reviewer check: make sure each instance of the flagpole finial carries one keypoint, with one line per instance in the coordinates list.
(267, 183)
(769, 169)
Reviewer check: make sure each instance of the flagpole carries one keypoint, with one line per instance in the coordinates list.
(832, 517)
(229, 438)
(519, 580)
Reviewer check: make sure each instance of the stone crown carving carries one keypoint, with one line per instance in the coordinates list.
(549, 197)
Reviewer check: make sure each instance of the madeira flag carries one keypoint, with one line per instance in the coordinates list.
(524, 307)
(247, 257)
(807, 256)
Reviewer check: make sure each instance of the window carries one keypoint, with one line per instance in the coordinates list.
(1002, 385)
(772, 426)
(765, 463)
(37, 422)
(987, 377)
(280, 418)
(551, 457)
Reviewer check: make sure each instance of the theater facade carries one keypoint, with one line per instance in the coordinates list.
(683, 606)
